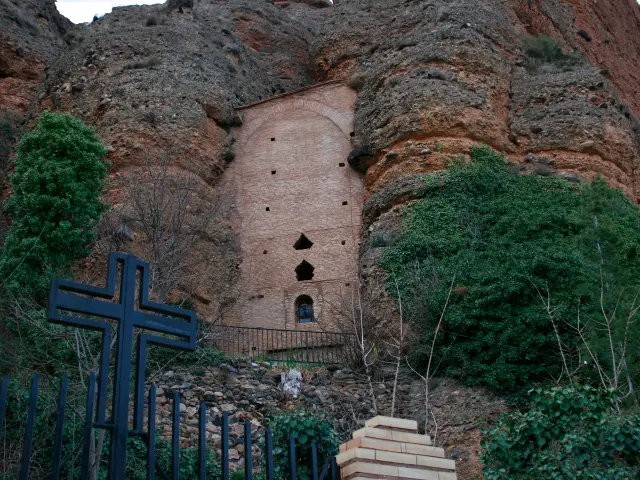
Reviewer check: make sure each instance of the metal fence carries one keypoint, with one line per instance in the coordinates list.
(325, 470)
(272, 344)
(115, 311)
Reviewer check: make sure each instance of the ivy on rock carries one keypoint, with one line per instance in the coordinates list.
(510, 238)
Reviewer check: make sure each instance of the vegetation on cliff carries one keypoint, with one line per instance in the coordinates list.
(566, 433)
(532, 256)
(54, 205)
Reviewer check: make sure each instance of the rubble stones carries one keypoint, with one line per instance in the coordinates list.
(339, 394)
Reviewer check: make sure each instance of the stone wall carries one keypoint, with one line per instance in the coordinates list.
(252, 391)
(290, 178)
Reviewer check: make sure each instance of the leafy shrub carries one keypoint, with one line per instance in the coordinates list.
(176, 4)
(543, 170)
(567, 433)
(146, 63)
(544, 49)
(305, 428)
(357, 81)
(189, 461)
(55, 202)
(152, 20)
(381, 239)
(507, 236)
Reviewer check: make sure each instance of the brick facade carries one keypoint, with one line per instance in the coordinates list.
(290, 177)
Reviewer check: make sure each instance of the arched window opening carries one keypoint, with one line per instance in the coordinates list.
(304, 271)
(302, 243)
(304, 309)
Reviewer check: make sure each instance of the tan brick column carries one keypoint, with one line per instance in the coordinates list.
(392, 448)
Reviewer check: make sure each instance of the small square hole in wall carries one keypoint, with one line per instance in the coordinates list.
(273, 139)
(347, 284)
(260, 296)
(264, 252)
(343, 242)
(352, 134)
(267, 209)
(273, 172)
(344, 203)
(341, 164)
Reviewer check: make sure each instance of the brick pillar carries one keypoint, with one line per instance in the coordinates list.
(392, 448)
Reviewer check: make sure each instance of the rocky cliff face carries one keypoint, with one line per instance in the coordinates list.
(437, 77)
(433, 78)
(31, 37)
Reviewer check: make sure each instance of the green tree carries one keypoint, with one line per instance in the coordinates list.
(568, 433)
(55, 203)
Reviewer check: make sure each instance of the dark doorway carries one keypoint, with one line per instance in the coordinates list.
(302, 243)
(304, 309)
(304, 271)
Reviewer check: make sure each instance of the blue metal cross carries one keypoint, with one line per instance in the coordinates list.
(130, 310)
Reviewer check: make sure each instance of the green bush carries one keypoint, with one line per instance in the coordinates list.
(189, 461)
(566, 434)
(305, 428)
(544, 49)
(149, 62)
(55, 203)
(507, 236)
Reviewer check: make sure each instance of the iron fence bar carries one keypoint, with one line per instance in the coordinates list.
(335, 470)
(88, 427)
(138, 398)
(28, 439)
(4, 391)
(175, 438)
(202, 441)
(269, 455)
(103, 377)
(314, 460)
(151, 457)
(57, 443)
(325, 469)
(248, 461)
(225, 446)
(292, 457)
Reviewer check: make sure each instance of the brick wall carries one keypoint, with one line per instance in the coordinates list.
(290, 177)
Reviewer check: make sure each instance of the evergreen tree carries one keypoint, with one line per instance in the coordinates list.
(54, 205)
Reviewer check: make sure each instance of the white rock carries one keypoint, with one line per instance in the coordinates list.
(291, 382)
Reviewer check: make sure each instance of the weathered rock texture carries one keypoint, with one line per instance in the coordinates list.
(433, 78)
(436, 77)
(31, 37)
(156, 81)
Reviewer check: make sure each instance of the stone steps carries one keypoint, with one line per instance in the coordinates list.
(391, 448)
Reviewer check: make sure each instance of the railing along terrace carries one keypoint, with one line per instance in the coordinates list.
(108, 404)
(280, 345)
